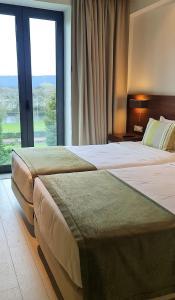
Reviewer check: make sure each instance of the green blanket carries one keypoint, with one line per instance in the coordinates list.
(126, 241)
(52, 160)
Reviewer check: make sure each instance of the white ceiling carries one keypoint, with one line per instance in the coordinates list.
(45, 4)
(66, 2)
(139, 4)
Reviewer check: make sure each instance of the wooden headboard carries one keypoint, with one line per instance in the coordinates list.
(158, 105)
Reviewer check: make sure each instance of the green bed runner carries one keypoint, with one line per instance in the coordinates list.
(52, 160)
(126, 241)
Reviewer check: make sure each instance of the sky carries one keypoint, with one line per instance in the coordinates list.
(42, 36)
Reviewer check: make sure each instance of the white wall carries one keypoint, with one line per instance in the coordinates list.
(152, 51)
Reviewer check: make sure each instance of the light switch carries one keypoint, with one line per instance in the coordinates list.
(138, 128)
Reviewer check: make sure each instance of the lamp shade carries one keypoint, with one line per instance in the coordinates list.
(133, 103)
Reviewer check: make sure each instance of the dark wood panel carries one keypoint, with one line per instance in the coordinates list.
(159, 105)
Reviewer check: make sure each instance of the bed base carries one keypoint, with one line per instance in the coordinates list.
(67, 288)
(25, 205)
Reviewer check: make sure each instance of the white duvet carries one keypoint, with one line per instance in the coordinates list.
(122, 155)
(110, 156)
(156, 181)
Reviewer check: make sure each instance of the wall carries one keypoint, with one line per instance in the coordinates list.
(152, 51)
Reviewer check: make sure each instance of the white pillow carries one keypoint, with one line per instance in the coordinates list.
(159, 135)
(162, 119)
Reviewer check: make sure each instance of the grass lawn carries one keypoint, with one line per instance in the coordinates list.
(15, 127)
(6, 159)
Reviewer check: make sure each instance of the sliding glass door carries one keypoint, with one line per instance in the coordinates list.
(31, 79)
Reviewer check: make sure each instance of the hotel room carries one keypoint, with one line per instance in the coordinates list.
(87, 149)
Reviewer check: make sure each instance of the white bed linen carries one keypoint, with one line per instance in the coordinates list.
(110, 156)
(22, 177)
(122, 155)
(56, 232)
(156, 182)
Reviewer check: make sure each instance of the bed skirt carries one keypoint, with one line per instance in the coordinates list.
(67, 288)
(25, 205)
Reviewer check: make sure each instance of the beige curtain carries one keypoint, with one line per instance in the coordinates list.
(99, 69)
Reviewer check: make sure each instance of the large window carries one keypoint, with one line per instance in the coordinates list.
(31, 79)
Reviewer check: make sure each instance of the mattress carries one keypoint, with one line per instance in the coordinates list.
(110, 156)
(149, 180)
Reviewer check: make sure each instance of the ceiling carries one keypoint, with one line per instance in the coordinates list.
(139, 4)
(45, 4)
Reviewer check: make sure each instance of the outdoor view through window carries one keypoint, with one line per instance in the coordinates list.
(43, 62)
(42, 36)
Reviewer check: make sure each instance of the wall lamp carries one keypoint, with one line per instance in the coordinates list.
(134, 103)
(139, 104)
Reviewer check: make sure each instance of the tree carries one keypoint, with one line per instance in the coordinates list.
(3, 150)
(50, 121)
(1, 141)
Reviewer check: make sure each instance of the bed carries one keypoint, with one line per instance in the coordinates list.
(150, 229)
(28, 163)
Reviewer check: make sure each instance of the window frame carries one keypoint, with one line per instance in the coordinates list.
(22, 15)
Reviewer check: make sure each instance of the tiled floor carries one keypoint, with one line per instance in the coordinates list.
(22, 270)
(5, 176)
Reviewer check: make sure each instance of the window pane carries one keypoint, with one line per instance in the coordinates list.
(10, 132)
(43, 60)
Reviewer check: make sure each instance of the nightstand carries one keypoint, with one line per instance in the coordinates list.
(116, 138)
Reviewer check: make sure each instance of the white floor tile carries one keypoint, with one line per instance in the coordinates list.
(5, 176)
(33, 280)
(27, 274)
(12, 294)
(8, 278)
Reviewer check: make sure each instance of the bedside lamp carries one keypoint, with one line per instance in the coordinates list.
(139, 104)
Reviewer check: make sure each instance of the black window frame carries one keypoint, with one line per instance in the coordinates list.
(22, 15)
